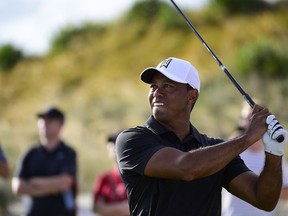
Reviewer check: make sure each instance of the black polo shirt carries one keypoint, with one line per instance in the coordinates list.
(162, 197)
(38, 162)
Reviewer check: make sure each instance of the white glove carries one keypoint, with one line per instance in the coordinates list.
(274, 130)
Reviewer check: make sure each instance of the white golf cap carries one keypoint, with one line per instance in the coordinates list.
(175, 69)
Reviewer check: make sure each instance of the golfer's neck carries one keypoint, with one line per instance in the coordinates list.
(180, 128)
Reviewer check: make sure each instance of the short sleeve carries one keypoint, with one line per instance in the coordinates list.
(70, 164)
(134, 148)
(22, 170)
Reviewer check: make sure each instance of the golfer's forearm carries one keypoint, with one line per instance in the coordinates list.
(270, 183)
(207, 161)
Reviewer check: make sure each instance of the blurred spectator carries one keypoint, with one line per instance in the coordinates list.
(254, 158)
(47, 172)
(4, 168)
(110, 198)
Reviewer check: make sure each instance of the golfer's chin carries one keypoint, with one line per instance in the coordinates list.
(159, 113)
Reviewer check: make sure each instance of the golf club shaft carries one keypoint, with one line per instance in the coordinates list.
(249, 100)
(237, 85)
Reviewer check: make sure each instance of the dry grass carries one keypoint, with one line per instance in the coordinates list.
(97, 84)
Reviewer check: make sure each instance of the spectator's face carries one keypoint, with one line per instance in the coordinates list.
(245, 116)
(168, 99)
(111, 150)
(49, 127)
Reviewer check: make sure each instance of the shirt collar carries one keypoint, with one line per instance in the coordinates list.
(155, 126)
(57, 148)
(159, 129)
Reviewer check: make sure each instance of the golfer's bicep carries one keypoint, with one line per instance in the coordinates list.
(243, 186)
(165, 164)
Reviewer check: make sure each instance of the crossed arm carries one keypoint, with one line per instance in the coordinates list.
(41, 186)
(4, 170)
(119, 208)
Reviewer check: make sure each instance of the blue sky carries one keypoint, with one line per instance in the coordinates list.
(30, 24)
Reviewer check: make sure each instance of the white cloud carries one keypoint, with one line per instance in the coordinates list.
(30, 24)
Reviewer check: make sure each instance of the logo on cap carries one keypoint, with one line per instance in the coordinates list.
(165, 63)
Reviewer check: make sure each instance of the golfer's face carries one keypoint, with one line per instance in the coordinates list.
(168, 99)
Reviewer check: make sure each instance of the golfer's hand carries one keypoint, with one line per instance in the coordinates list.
(257, 123)
(274, 130)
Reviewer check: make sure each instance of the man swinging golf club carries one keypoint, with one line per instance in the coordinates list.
(171, 169)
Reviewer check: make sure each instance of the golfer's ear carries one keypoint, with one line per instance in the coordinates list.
(192, 94)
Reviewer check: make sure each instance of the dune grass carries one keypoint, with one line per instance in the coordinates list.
(96, 82)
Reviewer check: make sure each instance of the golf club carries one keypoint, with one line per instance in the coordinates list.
(249, 100)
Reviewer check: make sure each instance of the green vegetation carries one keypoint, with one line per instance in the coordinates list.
(69, 35)
(92, 73)
(9, 56)
(241, 6)
(262, 57)
(148, 11)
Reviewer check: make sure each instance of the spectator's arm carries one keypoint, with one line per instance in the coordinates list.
(119, 208)
(40, 186)
(4, 170)
(284, 193)
(58, 183)
(24, 187)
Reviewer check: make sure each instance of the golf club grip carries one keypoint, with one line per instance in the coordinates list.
(249, 100)
(280, 138)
